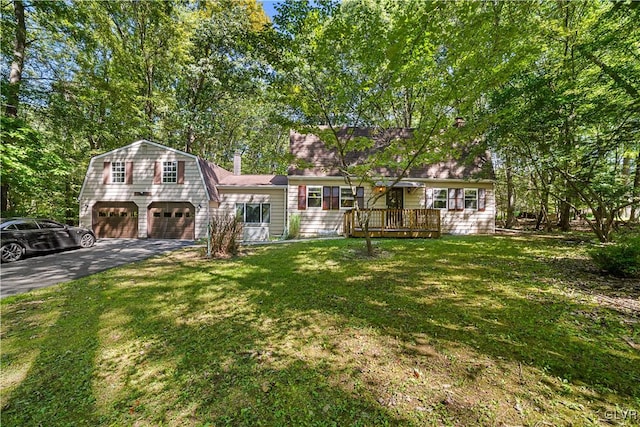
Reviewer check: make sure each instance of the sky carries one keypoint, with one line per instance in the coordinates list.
(269, 7)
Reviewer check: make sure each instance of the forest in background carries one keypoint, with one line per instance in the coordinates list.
(550, 87)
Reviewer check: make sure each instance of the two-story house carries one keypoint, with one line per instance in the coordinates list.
(147, 190)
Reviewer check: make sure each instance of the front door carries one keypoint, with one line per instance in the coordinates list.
(395, 204)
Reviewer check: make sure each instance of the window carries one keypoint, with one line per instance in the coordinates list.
(49, 224)
(27, 225)
(254, 213)
(166, 214)
(314, 197)
(439, 198)
(156, 214)
(266, 212)
(436, 198)
(179, 214)
(169, 172)
(471, 198)
(118, 172)
(346, 197)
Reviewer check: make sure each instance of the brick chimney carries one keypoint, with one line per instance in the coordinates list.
(237, 163)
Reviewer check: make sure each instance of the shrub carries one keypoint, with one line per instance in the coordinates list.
(621, 259)
(294, 227)
(225, 233)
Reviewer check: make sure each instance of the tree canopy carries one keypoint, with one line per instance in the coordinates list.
(551, 88)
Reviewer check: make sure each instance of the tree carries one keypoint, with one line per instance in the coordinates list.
(571, 115)
(380, 65)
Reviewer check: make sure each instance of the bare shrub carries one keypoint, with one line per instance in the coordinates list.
(225, 234)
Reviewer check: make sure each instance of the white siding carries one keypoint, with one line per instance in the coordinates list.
(468, 221)
(144, 155)
(315, 221)
(274, 196)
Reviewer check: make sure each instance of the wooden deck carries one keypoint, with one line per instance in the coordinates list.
(410, 223)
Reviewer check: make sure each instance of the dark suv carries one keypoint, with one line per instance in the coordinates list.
(20, 236)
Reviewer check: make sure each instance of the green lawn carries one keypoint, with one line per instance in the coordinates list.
(457, 331)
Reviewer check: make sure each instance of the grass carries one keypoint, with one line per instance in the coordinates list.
(458, 331)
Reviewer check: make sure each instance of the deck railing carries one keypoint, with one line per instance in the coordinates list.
(394, 223)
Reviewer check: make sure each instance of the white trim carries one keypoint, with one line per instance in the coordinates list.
(464, 195)
(145, 141)
(321, 187)
(425, 181)
(251, 187)
(206, 189)
(84, 182)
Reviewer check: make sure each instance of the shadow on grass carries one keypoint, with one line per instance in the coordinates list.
(488, 294)
(176, 350)
(178, 341)
(57, 389)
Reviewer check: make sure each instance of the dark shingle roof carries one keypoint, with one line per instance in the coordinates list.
(251, 180)
(212, 176)
(313, 158)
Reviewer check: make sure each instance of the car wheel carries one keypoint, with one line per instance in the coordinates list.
(11, 252)
(87, 240)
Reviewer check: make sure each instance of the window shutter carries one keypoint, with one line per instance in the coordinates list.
(482, 199)
(459, 199)
(326, 198)
(181, 172)
(335, 198)
(128, 173)
(429, 198)
(302, 197)
(452, 199)
(360, 197)
(157, 173)
(106, 173)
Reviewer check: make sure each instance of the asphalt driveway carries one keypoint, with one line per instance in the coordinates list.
(40, 271)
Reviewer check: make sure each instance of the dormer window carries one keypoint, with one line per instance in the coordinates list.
(169, 172)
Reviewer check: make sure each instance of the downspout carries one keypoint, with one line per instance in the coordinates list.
(285, 233)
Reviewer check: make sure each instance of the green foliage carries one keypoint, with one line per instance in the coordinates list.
(569, 116)
(293, 232)
(32, 170)
(620, 258)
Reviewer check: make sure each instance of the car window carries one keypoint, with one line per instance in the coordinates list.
(50, 224)
(26, 225)
(10, 227)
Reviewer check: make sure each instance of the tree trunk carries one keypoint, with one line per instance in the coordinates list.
(363, 222)
(636, 191)
(565, 215)
(511, 195)
(15, 77)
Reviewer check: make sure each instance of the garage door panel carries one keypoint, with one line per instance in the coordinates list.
(115, 220)
(171, 220)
